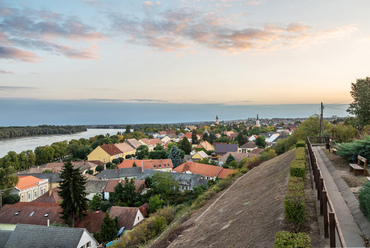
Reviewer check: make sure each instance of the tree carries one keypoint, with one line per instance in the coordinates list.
(134, 164)
(194, 138)
(155, 203)
(128, 129)
(175, 156)
(108, 229)
(223, 140)
(142, 151)
(125, 195)
(212, 138)
(164, 184)
(229, 159)
(95, 202)
(361, 105)
(99, 168)
(261, 141)
(205, 136)
(185, 145)
(72, 190)
(240, 138)
(7, 178)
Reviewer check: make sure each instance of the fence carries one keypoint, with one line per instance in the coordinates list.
(319, 140)
(331, 224)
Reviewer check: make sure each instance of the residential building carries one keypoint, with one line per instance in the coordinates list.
(130, 172)
(151, 143)
(84, 166)
(237, 155)
(30, 188)
(222, 149)
(156, 164)
(95, 187)
(26, 236)
(247, 147)
(105, 153)
(199, 156)
(139, 184)
(205, 145)
(126, 149)
(134, 143)
(185, 181)
(128, 217)
(209, 172)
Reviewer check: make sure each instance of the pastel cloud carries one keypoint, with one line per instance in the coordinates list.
(7, 88)
(47, 31)
(181, 29)
(6, 72)
(18, 54)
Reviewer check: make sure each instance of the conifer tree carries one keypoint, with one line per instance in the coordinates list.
(175, 156)
(194, 139)
(108, 229)
(72, 190)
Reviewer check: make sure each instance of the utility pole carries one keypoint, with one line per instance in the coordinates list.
(322, 120)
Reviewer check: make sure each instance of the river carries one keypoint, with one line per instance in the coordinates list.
(30, 143)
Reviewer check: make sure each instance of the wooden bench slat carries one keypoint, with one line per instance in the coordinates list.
(356, 167)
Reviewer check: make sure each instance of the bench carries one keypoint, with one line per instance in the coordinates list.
(357, 167)
(334, 151)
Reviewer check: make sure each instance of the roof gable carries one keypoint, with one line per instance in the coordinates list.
(147, 164)
(111, 149)
(124, 147)
(26, 182)
(139, 184)
(126, 216)
(197, 168)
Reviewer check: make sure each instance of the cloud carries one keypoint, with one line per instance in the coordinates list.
(6, 72)
(127, 100)
(254, 2)
(46, 31)
(18, 55)
(7, 88)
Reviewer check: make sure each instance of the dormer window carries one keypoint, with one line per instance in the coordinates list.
(46, 215)
(31, 214)
(17, 212)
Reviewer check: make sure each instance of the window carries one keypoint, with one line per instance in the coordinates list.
(29, 195)
(31, 214)
(35, 194)
(88, 244)
(22, 198)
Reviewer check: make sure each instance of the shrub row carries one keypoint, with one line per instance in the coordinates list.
(364, 199)
(294, 202)
(298, 168)
(300, 143)
(300, 154)
(289, 239)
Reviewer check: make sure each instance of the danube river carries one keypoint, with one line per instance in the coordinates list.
(30, 143)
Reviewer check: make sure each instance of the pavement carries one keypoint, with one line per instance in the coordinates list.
(352, 222)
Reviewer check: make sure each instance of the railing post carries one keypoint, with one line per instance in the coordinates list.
(332, 229)
(321, 198)
(325, 213)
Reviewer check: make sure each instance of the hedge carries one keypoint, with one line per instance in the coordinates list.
(300, 143)
(289, 239)
(298, 168)
(300, 154)
(295, 184)
(294, 208)
(364, 199)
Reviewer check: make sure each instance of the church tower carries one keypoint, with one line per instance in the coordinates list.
(258, 121)
(217, 121)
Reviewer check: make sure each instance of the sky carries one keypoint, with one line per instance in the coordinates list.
(141, 55)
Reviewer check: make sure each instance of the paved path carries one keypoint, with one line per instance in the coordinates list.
(353, 223)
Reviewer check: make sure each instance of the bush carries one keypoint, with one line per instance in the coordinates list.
(99, 168)
(300, 154)
(128, 156)
(11, 199)
(107, 165)
(295, 184)
(364, 199)
(289, 239)
(300, 143)
(361, 147)
(294, 208)
(115, 161)
(298, 168)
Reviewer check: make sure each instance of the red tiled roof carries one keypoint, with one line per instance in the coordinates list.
(152, 142)
(147, 164)
(92, 221)
(47, 198)
(197, 168)
(224, 172)
(26, 182)
(206, 145)
(111, 149)
(139, 184)
(144, 209)
(25, 216)
(126, 216)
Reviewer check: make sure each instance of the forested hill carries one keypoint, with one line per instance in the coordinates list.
(15, 132)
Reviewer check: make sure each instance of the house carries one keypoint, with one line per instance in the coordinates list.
(130, 172)
(156, 164)
(166, 139)
(84, 166)
(253, 137)
(50, 196)
(105, 153)
(151, 143)
(222, 149)
(30, 188)
(205, 145)
(26, 236)
(247, 147)
(255, 152)
(126, 149)
(54, 178)
(208, 171)
(134, 143)
(185, 181)
(94, 187)
(270, 137)
(188, 136)
(237, 155)
(128, 217)
(199, 156)
(35, 213)
(139, 184)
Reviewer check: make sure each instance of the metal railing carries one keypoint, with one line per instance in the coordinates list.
(331, 224)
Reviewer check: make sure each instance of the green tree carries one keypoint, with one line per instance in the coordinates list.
(229, 159)
(194, 138)
(164, 184)
(175, 156)
(95, 202)
(241, 139)
(99, 168)
(223, 140)
(261, 141)
(205, 137)
(108, 229)
(125, 195)
(185, 145)
(7, 178)
(72, 190)
(134, 164)
(155, 203)
(128, 129)
(142, 151)
(360, 107)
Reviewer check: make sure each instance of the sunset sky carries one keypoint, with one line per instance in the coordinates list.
(229, 52)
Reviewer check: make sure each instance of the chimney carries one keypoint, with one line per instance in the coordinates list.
(48, 222)
(50, 185)
(115, 169)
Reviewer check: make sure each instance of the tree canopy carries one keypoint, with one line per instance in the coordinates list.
(175, 156)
